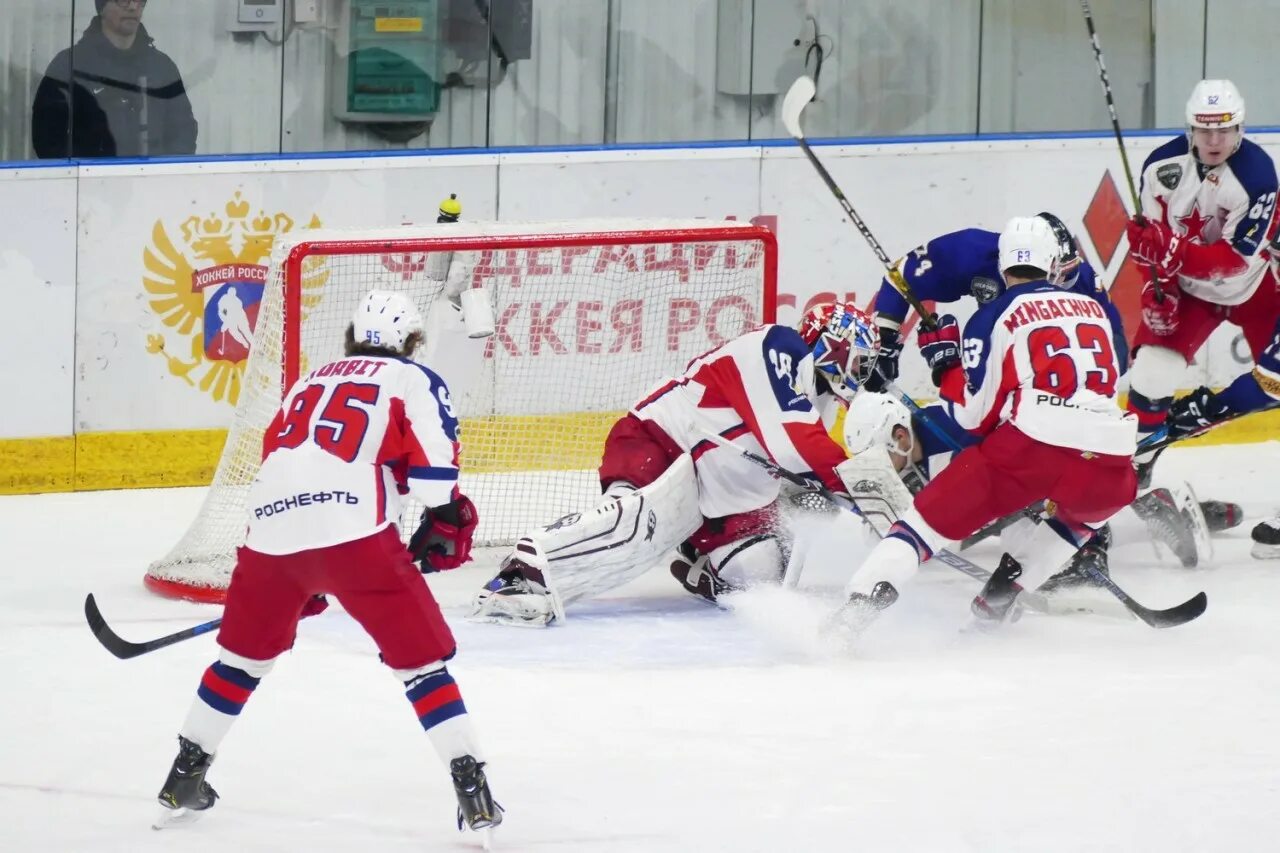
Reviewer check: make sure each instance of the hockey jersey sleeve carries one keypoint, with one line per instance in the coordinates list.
(421, 443)
(773, 392)
(941, 270)
(980, 389)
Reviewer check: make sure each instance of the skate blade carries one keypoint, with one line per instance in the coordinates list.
(1265, 552)
(486, 838)
(168, 817)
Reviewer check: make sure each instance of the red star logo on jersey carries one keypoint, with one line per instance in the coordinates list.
(1194, 224)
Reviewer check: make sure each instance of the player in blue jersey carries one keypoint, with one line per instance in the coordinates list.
(964, 263)
(1208, 206)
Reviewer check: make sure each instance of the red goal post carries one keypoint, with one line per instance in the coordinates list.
(588, 315)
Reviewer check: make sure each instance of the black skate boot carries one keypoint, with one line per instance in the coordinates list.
(694, 572)
(476, 808)
(185, 794)
(1266, 539)
(1221, 515)
(861, 610)
(1076, 574)
(1159, 511)
(998, 601)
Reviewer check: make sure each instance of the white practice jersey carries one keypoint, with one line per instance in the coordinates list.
(758, 391)
(349, 441)
(1044, 359)
(1225, 212)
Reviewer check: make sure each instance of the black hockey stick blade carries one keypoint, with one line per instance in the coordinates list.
(1170, 618)
(122, 648)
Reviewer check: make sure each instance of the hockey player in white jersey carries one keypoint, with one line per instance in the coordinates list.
(1208, 212)
(667, 483)
(1034, 375)
(349, 440)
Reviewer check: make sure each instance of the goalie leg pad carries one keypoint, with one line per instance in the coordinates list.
(876, 487)
(585, 554)
(741, 564)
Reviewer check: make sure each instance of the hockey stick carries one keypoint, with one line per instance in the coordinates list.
(793, 104)
(124, 649)
(1115, 127)
(918, 411)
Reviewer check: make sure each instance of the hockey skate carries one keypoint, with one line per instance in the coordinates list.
(856, 614)
(694, 573)
(1076, 574)
(514, 597)
(476, 809)
(1266, 540)
(1221, 515)
(1167, 525)
(998, 602)
(185, 795)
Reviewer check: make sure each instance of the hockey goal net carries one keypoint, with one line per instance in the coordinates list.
(588, 315)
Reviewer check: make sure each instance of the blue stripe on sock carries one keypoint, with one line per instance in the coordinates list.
(444, 712)
(219, 703)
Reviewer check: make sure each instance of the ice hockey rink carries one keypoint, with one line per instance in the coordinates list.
(651, 721)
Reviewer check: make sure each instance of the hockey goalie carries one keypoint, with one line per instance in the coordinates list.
(669, 484)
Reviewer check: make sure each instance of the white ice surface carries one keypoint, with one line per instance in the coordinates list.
(651, 722)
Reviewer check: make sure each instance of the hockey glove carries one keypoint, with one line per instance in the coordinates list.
(886, 366)
(443, 538)
(315, 605)
(1195, 412)
(1154, 244)
(941, 347)
(1161, 317)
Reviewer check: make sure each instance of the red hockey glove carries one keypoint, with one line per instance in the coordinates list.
(941, 347)
(315, 605)
(443, 538)
(1160, 317)
(1155, 245)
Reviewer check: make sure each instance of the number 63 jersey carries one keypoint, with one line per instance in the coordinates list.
(349, 441)
(1044, 359)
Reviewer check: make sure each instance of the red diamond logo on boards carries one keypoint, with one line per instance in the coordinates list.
(1104, 222)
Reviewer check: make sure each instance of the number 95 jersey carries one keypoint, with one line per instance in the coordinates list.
(350, 439)
(1043, 359)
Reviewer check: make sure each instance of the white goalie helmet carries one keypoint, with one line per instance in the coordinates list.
(871, 420)
(386, 319)
(1029, 241)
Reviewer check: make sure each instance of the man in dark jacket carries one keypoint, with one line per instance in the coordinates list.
(113, 94)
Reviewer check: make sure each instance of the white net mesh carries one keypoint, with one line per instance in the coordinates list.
(589, 314)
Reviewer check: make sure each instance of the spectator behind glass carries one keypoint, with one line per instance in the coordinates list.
(121, 98)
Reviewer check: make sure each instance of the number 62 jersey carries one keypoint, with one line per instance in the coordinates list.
(350, 439)
(1043, 359)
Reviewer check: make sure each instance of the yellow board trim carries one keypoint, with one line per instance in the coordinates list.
(161, 458)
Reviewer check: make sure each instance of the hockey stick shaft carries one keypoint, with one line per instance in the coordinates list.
(797, 98)
(124, 649)
(917, 411)
(1115, 128)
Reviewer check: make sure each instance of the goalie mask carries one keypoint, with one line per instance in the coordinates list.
(386, 319)
(845, 343)
(1067, 271)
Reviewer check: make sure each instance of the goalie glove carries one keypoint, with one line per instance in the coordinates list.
(443, 538)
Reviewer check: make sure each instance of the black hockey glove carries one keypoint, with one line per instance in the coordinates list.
(1197, 411)
(886, 365)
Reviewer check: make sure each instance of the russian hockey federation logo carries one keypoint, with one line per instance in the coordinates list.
(1169, 175)
(653, 526)
(205, 280)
